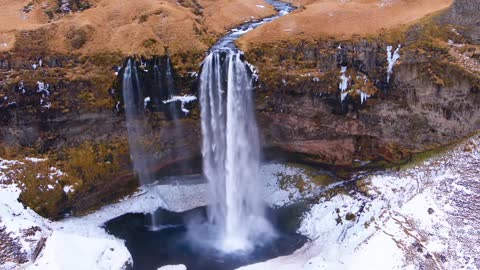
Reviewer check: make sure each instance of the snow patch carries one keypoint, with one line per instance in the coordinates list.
(173, 267)
(183, 99)
(416, 219)
(68, 189)
(146, 101)
(71, 251)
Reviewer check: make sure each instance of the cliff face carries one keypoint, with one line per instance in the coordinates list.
(67, 106)
(429, 101)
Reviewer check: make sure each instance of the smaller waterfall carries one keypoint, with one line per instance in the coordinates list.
(134, 113)
(134, 107)
(171, 91)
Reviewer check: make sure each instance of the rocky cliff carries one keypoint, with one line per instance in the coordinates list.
(66, 105)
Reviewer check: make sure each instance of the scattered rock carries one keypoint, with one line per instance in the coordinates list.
(350, 216)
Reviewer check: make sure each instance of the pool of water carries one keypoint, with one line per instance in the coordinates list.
(170, 242)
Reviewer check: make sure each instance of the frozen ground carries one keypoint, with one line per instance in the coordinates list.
(425, 217)
(79, 243)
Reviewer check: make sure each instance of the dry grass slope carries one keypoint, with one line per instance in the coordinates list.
(343, 19)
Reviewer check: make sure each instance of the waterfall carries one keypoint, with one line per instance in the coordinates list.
(170, 87)
(134, 113)
(230, 144)
(230, 150)
(133, 100)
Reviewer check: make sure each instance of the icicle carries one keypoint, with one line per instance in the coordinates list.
(363, 96)
(343, 84)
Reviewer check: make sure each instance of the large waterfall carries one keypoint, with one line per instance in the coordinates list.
(231, 152)
(230, 146)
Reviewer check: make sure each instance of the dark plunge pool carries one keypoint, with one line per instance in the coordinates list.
(152, 249)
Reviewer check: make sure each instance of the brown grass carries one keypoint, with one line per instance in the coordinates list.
(125, 26)
(344, 19)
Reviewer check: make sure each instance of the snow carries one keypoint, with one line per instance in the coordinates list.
(192, 74)
(21, 87)
(423, 217)
(81, 242)
(43, 88)
(173, 267)
(183, 99)
(260, 6)
(146, 101)
(392, 60)
(65, 6)
(67, 189)
(35, 160)
(415, 218)
(254, 70)
(72, 251)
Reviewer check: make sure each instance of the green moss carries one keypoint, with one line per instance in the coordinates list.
(88, 168)
(42, 188)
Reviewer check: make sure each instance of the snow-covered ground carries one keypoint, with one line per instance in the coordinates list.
(425, 217)
(79, 242)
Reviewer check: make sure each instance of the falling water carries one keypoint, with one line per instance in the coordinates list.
(170, 87)
(230, 146)
(231, 152)
(133, 100)
(134, 112)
